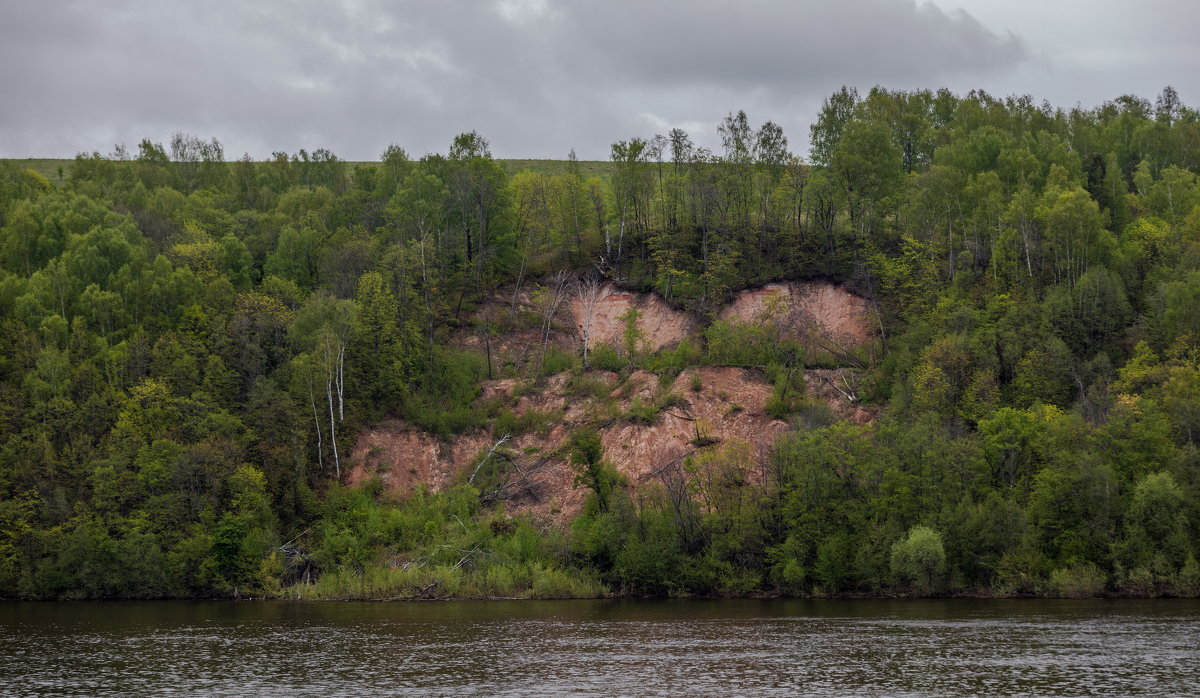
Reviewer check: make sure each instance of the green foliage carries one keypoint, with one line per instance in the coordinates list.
(444, 404)
(591, 471)
(787, 391)
(557, 361)
(191, 348)
(670, 362)
(632, 335)
(1079, 581)
(750, 344)
(920, 558)
(604, 357)
(433, 546)
(536, 421)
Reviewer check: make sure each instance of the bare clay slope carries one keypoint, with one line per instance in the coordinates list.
(600, 318)
(831, 321)
(704, 406)
(728, 406)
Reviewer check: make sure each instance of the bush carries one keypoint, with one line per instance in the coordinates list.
(750, 344)
(815, 414)
(1078, 581)
(920, 558)
(508, 422)
(1187, 582)
(787, 572)
(1139, 582)
(557, 361)
(444, 403)
(642, 413)
(835, 567)
(648, 413)
(586, 386)
(1019, 572)
(604, 357)
(670, 362)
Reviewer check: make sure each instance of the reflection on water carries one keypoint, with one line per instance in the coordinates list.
(603, 647)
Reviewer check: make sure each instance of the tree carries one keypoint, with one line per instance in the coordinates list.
(480, 206)
(591, 470)
(383, 350)
(1167, 106)
(631, 334)
(631, 187)
(1075, 235)
(559, 288)
(587, 294)
(322, 329)
(920, 558)
(826, 132)
(198, 164)
(866, 164)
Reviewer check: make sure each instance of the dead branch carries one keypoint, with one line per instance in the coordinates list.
(654, 473)
(503, 440)
(428, 587)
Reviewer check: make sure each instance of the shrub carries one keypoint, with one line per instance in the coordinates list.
(444, 403)
(605, 358)
(1187, 582)
(670, 362)
(557, 361)
(1078, 581)
(787, 393)
(586, 386)
(1139, 582)
(750, 344)
(508, 422)
(815, 414)
(641, 412)
(920, 558)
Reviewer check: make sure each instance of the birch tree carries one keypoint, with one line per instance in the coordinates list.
(322, 330)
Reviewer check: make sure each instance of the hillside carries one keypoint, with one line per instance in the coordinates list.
(649, 423)
(954, 353)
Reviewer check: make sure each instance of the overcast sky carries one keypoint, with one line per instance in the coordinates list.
(538, 77)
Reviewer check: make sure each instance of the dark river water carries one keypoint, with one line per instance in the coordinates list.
(858, 647)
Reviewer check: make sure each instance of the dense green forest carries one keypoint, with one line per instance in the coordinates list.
(189, 345)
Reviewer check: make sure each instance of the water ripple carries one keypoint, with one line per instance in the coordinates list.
(603, 648)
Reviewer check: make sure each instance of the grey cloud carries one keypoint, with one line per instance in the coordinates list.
(772, 44)
(536, 77)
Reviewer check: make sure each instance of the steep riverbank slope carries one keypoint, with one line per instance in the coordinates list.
(649, 423)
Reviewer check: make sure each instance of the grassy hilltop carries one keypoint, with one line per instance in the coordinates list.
(49, 167)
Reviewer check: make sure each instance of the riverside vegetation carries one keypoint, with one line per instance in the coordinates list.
(189, 346)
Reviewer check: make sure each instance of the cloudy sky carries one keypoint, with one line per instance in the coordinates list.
(538, 77)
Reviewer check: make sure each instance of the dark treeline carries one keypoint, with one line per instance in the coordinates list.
(189, 346)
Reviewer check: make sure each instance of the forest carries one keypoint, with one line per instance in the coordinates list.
(189, 345)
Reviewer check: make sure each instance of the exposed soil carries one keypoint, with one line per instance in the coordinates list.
(823, 314)
(827, 318)
(404, 457)
(511, 333)
(728, 404)
(661, 325)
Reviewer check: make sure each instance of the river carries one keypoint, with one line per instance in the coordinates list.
(692, 647)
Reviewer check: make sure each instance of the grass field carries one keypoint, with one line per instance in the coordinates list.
(47, 167)
(50, 167)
